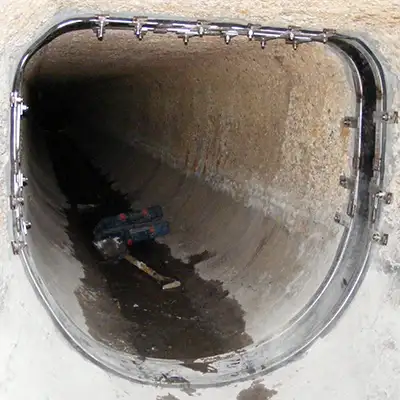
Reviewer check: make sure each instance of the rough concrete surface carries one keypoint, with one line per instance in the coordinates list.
(281, 157)
(282, 100)
(360, 359)
(170, 128)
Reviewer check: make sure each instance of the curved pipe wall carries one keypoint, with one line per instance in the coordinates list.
(286, 263)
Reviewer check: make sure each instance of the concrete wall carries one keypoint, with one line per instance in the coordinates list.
(263, 128)
(366, 342)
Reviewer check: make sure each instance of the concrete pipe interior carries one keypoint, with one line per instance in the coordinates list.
(242, 148)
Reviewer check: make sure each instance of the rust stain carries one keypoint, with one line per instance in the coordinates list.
(345, 132)
(316, 132)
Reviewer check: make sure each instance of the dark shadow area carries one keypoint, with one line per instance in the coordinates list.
(196, 320)
(370, 95)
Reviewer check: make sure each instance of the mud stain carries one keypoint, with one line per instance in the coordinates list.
(124, 307)
(256, 391)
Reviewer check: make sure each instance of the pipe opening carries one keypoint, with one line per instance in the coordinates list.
(241, 147)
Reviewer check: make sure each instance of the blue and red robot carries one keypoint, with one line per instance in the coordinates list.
(113, 236)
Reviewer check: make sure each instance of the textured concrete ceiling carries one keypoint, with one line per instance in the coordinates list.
(81, 53)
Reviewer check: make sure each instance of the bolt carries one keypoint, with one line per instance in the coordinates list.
(389, 198)
(100, 31)
(376, 237)
(24, 108)
(101, 28)
(138, 31)
(394, 117)
(263, 43)
(343, 181)
(250, 34)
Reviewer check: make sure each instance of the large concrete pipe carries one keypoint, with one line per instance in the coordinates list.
(269, 165)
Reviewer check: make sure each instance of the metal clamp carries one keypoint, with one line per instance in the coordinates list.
(101, 26)
(187, 29)
(16, 246)
(291, 36)
(387, 197)
(16, 201)
(343, 220)
(17, 101)
(346, 182)
(386, 116)
(327, 33)
(138, 23)
(18, 180)
(380, 238)
(380, 194)
(201, 28)
(350, 122)
(251, 30)
(295, 36)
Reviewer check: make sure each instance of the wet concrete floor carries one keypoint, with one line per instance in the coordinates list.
(197, 320)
